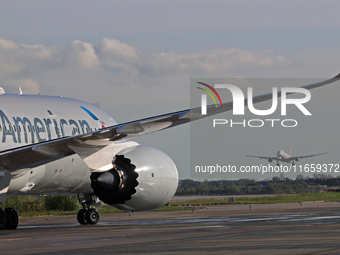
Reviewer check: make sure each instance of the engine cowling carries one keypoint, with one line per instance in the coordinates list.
(143, 179)
(270, 160)
(297, 159)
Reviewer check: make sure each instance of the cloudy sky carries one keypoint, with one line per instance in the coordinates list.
(136, 58)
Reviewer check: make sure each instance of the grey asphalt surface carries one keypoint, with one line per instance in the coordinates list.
(233, 229)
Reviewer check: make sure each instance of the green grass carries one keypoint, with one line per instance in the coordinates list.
(308, 197)
(171, 208)
(180, 206)
(108, 209)
(45, 213)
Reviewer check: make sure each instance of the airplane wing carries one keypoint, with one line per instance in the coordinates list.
(270, 158)
(42, 153)
(308, 156)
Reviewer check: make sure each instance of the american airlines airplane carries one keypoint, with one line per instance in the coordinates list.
(61, 146)
(285, 157)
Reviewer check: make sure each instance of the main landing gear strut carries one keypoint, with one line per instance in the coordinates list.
(9, 218)
(87, 215)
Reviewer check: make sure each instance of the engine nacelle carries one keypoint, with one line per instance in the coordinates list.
(270, 160)
(143, 179)
(297, 159)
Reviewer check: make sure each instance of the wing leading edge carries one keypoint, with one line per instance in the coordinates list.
(309, 156)
(260, 157)
(41, 153)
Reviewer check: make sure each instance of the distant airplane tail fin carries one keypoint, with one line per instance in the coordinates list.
(290, 152)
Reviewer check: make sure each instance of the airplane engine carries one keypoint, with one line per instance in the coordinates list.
(297, 159)
(270, 160)
(142, 179)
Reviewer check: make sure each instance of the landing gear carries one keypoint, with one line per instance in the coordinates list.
(9, 218)
(278, 164)
(12, 218)
(92, 216)
(81, 216)
(87, 215)
(3, 219)
(293, 164)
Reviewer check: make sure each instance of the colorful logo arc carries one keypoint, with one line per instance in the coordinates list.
(209, 93)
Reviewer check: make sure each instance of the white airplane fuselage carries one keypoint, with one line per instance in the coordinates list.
(32, 119)
(283, 156)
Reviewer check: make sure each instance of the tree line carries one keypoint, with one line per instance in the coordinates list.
(247, 187)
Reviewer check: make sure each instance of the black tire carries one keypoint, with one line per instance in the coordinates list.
(3, 219)
(12, 218)
(92, 216)
(81, 216)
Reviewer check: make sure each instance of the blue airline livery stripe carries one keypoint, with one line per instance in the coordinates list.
(90, 113)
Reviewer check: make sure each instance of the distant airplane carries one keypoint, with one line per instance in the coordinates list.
(285, 157)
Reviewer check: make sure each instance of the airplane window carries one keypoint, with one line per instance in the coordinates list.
(78, 130)
(0, 128)
(33, 129)
(24, 128)
(5, 128)
(29, 128)
(10, 128)
(48, 130)
(87, 130)
(38, 129)
(15, 128)
(19, 129)
(82, 130)
(91, 129)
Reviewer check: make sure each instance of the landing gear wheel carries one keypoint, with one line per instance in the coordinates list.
(81, 216)
(3, 219)
(12, 218)
(278, 164)
(92, 216)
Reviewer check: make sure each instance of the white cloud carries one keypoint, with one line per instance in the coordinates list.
(120, 57)
(28, 86)
(216, 62)
(112, 60)
(82, 55)
(7, 44)
(16, 59)
(117, 48)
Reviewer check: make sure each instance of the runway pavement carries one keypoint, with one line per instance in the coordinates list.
(233, 229)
